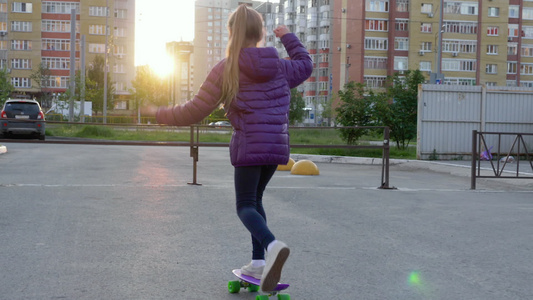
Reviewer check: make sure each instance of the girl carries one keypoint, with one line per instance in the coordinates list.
(253, 85)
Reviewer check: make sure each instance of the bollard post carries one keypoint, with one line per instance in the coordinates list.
(474, 156)
(194, 155)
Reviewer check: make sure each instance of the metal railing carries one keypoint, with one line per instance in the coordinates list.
(194, 143)
(518, 152)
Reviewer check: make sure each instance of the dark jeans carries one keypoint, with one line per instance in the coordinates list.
(250, 183)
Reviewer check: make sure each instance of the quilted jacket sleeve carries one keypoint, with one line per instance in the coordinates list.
(300, 66)
(199, 107)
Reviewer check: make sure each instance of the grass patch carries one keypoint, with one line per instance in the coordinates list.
(215, 135)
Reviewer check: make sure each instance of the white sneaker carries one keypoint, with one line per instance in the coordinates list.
(274, 264)
(255, 272)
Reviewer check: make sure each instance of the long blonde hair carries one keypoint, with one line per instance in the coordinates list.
(245, 27)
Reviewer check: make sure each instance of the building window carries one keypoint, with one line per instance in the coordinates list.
(425, 66)
(460, 8)
(18, 63)
(460, 27)
(121, 14)
(524, 83)
(511, 67)
(56, 82)
(377, 5)
(492, 49)
(494, 11)
(425, 46)
(20, 45)
(465, 65)
(22, 7)
(425, 27)
(55, 7)
(527, 13)
(98, 11)
(512, 49)
(376, 44)
(463, 46)
(375, 62)
(511, 83)
(526, 69)
(401, 43)
(400, 63)
(426, 8)
(96, 48)
(20, 26)
(514, 11)
(492, 30)
(459, 81)
(402, 5)
(375, 81)
(512, 30)
(527, 32)
(401, 25)
(527, 50)
(21, 82)
(56, 63)
(58, 45)
(57, 26)
(376, 25)
(491, 68)
(97, 29)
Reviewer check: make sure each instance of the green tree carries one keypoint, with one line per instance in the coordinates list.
(148, 88)
(6, 88)
(355, 109)
(296, 111)
(398, 108)
(41, 77)
(95, 85)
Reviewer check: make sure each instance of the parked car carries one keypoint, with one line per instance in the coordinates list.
(22, 117)
(222, 123)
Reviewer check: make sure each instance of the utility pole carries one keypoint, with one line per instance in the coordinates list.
(104, 111)
(72, 83)
(82, 79)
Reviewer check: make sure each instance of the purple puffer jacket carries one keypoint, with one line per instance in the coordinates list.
(259, 113)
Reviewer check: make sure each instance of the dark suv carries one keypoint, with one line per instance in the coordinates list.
(22, 116)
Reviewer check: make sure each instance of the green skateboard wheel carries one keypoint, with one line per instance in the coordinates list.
(253, 288)
(284, 297)
(234, 287)
(261, 297)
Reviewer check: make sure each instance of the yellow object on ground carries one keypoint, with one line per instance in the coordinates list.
(286, 167)
(305, 167)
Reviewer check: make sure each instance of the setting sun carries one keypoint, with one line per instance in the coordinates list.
(161, 64)
(157, 25)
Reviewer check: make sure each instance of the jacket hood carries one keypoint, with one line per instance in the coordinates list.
(260, 64)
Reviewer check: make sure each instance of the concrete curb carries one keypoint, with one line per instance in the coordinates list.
(3, 149)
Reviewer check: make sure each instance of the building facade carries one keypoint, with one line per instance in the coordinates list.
(182, 76)
(38, 32)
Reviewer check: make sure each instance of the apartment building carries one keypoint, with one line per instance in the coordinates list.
(182, 76)
(38, 32)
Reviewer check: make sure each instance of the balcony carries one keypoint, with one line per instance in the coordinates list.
(311, 38)
(325, 23)
(324, 8)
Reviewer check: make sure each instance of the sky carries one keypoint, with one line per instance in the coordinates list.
(158, 22)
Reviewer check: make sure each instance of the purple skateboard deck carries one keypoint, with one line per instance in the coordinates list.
(255, 281)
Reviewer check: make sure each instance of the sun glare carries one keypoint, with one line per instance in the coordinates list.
(161, 65)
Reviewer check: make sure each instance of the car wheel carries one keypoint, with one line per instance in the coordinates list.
(42, 137)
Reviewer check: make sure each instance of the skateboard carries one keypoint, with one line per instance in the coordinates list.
(252, 284)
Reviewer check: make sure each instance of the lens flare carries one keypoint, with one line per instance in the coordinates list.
(414, 278)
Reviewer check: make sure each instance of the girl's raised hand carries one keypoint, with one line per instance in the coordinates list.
(281, 30)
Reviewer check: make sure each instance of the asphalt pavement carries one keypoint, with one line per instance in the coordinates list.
(122, 222)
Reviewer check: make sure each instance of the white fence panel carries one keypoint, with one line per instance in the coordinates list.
(447, 115)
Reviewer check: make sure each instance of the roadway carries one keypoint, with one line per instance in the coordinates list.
(121, 222)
